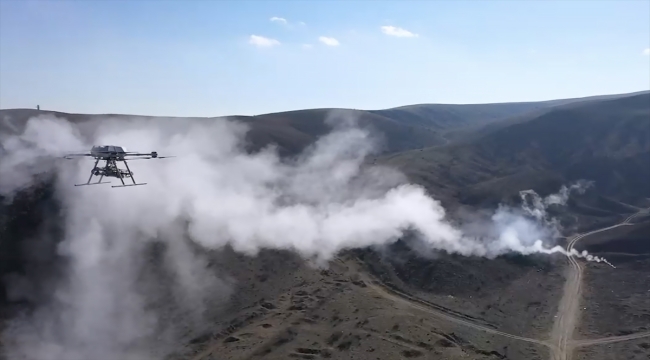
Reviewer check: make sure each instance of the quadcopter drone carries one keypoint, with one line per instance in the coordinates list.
(112, 154)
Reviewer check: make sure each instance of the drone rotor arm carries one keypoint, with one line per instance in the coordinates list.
(70, 156)
(151, 155)
(136, 154)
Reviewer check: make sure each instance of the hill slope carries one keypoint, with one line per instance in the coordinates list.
(604, 141)
(400, 128)
(282, 308)
(291, 131)
(450, 117)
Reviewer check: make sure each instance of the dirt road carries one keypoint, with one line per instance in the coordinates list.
(568, 309)
(408, 300)
(560, 343)
(609, 340)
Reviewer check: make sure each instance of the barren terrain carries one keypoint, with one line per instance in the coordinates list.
(629, 350)
(569, 309)
(398, 302)
(359, 308)
(617, 302)
(343, 313)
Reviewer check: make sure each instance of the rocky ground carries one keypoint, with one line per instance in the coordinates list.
(616, 301)
(628, 350)
(343, 312)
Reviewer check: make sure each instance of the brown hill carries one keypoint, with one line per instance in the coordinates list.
(291, 131)
(604, 141)
(401, 128)
(393, 303)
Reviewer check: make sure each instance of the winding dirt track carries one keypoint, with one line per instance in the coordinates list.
(560, 342)
(609, 340)
(568, 310)
(408, 300)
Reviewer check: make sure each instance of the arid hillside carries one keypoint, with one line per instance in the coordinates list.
(399, 301)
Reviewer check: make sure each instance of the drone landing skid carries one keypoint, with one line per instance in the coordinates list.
(125, 185)
(97, 183)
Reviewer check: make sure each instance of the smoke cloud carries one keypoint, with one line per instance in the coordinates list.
(213, 194)
(536, 206)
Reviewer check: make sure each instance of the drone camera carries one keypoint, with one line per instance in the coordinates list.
(154, 154)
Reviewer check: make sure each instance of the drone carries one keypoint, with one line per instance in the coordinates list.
(112, 154)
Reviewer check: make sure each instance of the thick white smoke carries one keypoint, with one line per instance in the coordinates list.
(216, 194)
(536, 206)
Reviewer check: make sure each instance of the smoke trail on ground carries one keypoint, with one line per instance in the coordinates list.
(544, 227)
(214, 194)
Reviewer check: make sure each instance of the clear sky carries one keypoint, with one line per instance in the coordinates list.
(211, 58)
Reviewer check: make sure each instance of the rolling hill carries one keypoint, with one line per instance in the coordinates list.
(395, 303)
(451, 118)
(291, 131)
(400, 129)
(537, 146)
(606, 141)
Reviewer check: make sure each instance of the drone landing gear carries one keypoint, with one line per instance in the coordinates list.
(122, 178)
(97, 183)
(91, 176)
(125, 185)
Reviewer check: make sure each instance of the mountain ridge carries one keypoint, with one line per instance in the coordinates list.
(607, 141)
(283, 308)
(400, 129)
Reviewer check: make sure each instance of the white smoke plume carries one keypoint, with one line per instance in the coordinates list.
(213, 194)
(536, 206)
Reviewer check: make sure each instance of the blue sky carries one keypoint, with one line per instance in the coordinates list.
(196, 58)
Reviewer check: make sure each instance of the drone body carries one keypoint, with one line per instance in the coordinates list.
(111, 154)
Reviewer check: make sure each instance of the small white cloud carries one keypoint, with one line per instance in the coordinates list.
(278, 20)
(261, 41)
(646, 52)
(307, 46)
(397, 31)
(329, 41)
(302, 23)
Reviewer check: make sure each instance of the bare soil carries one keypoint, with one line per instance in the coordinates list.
(343, 312)
(629, 350)
(616, 301)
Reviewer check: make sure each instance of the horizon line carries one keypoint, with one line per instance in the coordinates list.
(339, 108)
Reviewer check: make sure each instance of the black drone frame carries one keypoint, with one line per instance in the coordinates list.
(111, 169)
